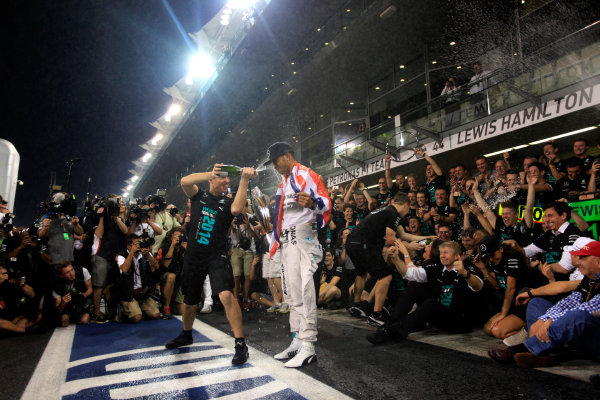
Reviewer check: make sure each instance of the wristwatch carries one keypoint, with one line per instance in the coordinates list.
(468, 274)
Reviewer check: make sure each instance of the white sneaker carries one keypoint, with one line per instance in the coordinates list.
(274, 307)
(290, 351)
(517, 338)
(206, 309)
(305, 356)
(284, 308)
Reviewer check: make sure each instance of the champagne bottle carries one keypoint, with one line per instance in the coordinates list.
(231, 170)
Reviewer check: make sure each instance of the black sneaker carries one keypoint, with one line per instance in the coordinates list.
(241, 353)
(99, 318)
(183, 339)
(376, 319)
(380, 336)
(356, 311)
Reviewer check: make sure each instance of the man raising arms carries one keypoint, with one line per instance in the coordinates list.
(211, 216)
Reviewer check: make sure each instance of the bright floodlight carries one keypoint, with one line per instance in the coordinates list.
(201, 65)
(174, 109)
(157, 138)
(129, 187)
(146, 157)
(224, 22)
(134, 178)
(125, 194)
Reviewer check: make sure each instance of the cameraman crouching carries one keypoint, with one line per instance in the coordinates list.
(138, 280)
(72, 293)
(17, 310)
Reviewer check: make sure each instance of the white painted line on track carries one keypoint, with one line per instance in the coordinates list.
(257, 392)
(156, 361)
(73, 387)
(298, 381)
(125, 353)
(49, 378)
(50, 371)
(191, 382)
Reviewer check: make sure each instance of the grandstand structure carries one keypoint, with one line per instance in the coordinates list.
(344, 80)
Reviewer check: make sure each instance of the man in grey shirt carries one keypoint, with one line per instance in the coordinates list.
(60, 232)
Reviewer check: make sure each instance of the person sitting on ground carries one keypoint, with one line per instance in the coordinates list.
(330, 278)
(446, 302)
(572, 321)
(505, 271)
(17, 312)
(72, 294)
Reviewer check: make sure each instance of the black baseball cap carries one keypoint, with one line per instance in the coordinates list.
(487, 246)
(278, 149)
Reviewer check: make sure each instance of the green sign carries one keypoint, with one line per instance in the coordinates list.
(589, 211)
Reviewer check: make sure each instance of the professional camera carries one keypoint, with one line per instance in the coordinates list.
(148, 291)
(5, 223)
(159, 201)
(12, 267)
(140, 214)
(146, 242)
(111, 207)
(60, 203)
(174, 211)
(76, 298)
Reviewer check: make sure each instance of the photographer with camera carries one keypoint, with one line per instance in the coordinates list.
(142, 222)
(242, 255)
(72, 294)
(107, 237)
(136, 284)
(60, 233)
(18, 310)
(26, 254)
(170, 257)
(165, 218)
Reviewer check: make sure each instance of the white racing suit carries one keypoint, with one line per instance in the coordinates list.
(301, 252)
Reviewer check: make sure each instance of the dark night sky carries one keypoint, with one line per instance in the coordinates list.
(82, 79)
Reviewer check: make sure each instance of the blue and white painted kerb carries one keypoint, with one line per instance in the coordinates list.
(122, 361)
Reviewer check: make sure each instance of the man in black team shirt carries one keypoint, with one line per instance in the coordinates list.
(446, 301)
(211, 216)
(364, 246)
(508, 226)
(552, 242)
(433, 173)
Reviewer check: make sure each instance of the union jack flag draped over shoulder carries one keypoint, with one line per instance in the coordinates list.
(302, 179)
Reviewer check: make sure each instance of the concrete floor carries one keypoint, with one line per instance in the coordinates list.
(428, 365)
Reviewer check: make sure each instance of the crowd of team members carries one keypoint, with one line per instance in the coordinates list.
(467, 224)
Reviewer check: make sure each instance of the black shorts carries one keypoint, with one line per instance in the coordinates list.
(194, 273)
(367, 259)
